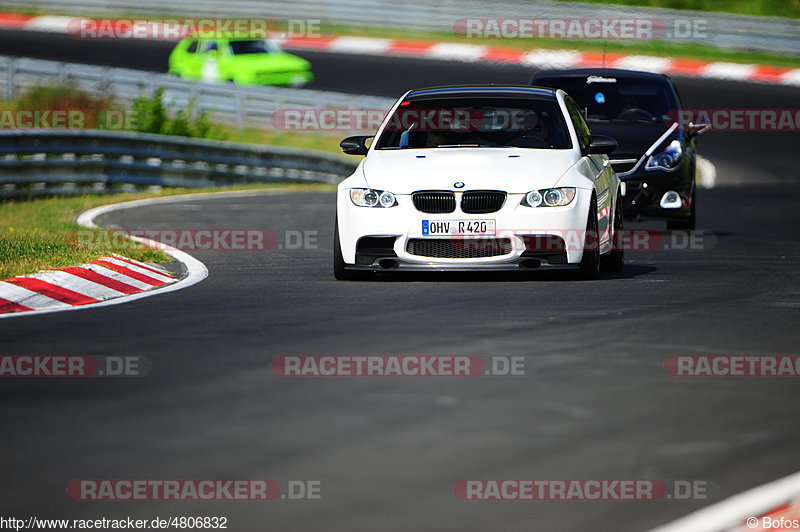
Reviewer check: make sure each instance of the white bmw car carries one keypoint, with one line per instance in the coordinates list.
(475, 177)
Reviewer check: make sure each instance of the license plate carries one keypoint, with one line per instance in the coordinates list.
(458, 227)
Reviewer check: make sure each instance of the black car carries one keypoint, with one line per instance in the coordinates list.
(656, 157)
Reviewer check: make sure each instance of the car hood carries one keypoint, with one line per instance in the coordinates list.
(634, 138)
(512, 170)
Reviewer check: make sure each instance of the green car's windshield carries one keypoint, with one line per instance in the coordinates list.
(253, 47)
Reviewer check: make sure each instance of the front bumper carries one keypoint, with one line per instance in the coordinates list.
(293, 77)
(519, 265)
(378, 238)
(645, 188)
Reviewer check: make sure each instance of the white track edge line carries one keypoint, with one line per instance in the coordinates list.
(733, 511)
(197, 270)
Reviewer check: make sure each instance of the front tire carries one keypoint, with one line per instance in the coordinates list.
(615, 260)
(589, 267)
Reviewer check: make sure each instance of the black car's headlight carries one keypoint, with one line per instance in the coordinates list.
(367, 197)
(549, 197)
(669, 159)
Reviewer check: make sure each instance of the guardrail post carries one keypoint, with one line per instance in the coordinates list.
(10, 78)
(108, 79)
(241, 107)
(194, 96)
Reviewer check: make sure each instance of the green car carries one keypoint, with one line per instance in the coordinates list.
(244, 61)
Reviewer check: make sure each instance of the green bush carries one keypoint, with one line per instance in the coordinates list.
(152, 116)
(68, 97)
(102, 110)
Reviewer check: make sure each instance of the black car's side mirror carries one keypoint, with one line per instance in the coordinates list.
(355, 145)
(692, 129)
(597, 144)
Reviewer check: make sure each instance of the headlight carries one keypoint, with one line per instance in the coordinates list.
(549, 197)
(668, 159)
(367, 197)
(534, 198)
(386, 199)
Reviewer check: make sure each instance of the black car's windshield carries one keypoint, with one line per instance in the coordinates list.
(603, 99)
(476, 122)
(251, 47)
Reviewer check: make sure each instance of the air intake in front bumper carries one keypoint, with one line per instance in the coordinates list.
(456, 248)
(371, 248)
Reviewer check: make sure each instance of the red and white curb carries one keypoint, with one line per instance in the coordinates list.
(99, 280)
(774, 506)
(537, 58)
(109, 280)
(547, 59)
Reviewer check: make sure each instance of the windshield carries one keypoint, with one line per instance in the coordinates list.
(253, 47)
(476, 122)
(620, 100)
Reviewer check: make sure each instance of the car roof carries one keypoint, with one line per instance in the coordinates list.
(478, 91)
(626, 75)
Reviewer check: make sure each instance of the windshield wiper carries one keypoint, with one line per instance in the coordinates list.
(459, 145)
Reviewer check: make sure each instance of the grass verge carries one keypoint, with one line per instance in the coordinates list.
(760, 8)
(327, 142)
(42, 233)
(700, 52)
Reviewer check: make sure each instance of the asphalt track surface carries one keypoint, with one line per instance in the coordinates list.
(595, 402)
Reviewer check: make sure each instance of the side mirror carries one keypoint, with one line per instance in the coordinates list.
(693, 130)
(355, 145)
(597, 144)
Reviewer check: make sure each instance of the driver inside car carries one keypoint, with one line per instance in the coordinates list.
(632, 110)
(532, 133)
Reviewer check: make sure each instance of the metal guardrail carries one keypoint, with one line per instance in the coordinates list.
(43, 163)
(724, 30)
(238, 105)
(38, 162)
